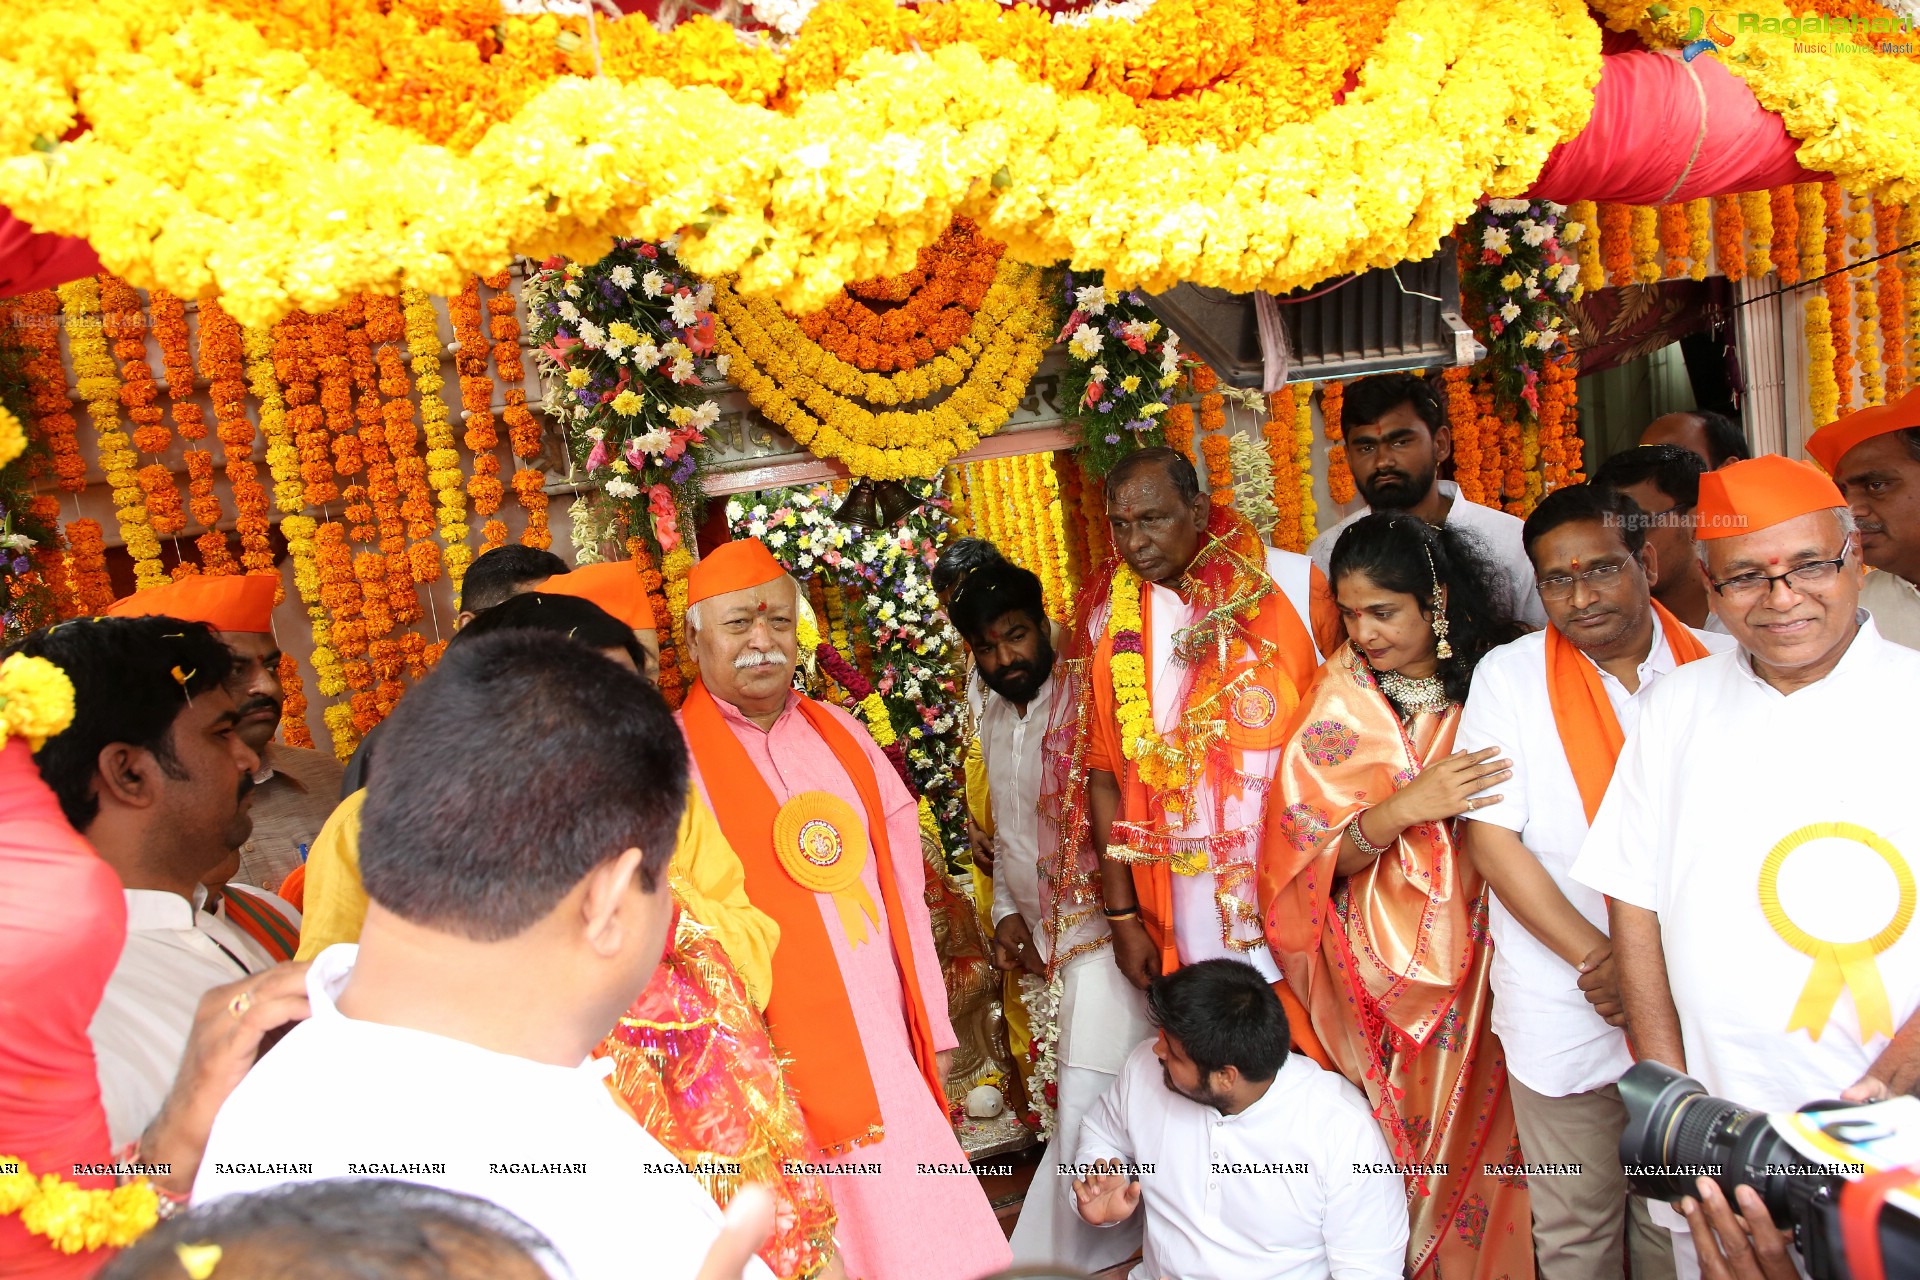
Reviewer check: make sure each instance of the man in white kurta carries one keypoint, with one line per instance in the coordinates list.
(1191, 894)
(1395, 435)
(1100, 1016)
(1563, 1057)
(1287, 1178)
(1762, 815)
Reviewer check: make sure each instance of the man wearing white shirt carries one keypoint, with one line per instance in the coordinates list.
(1001, 611)
(1874, 456)
(1762, 815)
(518, 905)
(154, 773)
(1395, 434)
(1558, 703)
(1246, 1161)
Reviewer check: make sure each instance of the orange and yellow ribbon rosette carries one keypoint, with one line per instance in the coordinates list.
(1838, 965)
(822, 843)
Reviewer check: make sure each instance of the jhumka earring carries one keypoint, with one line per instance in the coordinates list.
(1441, 650)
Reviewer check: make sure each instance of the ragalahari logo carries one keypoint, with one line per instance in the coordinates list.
(1874, 35)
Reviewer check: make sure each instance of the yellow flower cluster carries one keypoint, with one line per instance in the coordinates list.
(1593, 273)
(99, 385)
(283, 458)
(1699, 237)
(274, 187)
(36, 700)
(873, 710)
(1303, 461)
(1646, 244)
(673, 572)
(1756, 210)
(795, 388)
(1016, 290)
(13, 436)
(1132, 706)
(1823, 392)
(73, 1219)
(443, 457)
(300, 531)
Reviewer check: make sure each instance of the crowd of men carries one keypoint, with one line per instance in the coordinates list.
(1341, 889)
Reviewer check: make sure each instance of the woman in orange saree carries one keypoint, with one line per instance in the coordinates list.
(1380, 929)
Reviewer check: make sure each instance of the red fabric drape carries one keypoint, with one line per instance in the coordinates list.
(32, 260)
(1646, 121)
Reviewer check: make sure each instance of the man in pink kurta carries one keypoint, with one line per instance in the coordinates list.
(909, 1205)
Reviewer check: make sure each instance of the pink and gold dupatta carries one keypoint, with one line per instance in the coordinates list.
(1391, 964)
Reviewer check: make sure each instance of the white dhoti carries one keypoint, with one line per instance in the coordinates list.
(1102, 1017)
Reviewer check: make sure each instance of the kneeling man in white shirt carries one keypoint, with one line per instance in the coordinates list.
(514, 849)
(1248, 1162)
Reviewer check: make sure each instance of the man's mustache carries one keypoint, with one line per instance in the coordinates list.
(259, 702)
(759, 658)
(246, 787)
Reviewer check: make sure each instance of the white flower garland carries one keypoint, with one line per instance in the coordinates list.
(1042, 998)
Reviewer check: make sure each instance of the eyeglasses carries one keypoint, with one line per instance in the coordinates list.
(1800, 578)
(1599, 578)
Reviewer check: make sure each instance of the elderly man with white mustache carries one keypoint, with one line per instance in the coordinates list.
(829, 837)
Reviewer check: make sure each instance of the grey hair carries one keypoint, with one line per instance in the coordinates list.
(1848, 527)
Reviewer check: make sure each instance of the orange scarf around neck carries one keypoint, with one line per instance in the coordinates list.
(1589, 730)
(811, 1013)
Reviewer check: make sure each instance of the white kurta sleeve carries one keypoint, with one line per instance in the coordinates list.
(1366, 1219)
(1003, 904)
(1104, 1134)
(1491, 719)
(1627, 844)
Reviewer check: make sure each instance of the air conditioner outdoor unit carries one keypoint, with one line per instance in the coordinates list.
(1401, 317)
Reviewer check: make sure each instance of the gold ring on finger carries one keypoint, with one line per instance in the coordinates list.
(239, 1005)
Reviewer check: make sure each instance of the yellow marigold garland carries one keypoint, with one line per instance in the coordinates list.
(1839, 289)
(1305, 508)
(1644, 234)
(1593, 272)
(1866, 309)
(1699, 215)
(954, 482)
(98, 381)
(785, 385)
(1756, 212)
(76, 1219)
(1041, 168)
(443, 458)
(1910, 275)
(674, 569)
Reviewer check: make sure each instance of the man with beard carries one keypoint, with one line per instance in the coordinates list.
(1874, 455)
(1395, 434)
(1001, 611)
(1558, 704)
(296, 787)
(1252, 1163)
(154, 773)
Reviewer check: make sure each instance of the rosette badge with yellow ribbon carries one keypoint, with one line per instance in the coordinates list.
(1838, 966)
(822, 844)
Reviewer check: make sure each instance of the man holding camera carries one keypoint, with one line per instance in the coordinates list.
(1757, 841)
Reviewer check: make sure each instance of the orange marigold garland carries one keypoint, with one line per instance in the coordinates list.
(294, 368)
(223, 356)
(189, 419)
(124, 323)
(1093, 522)
(1756, 211)
(1893, 298)
(1784, 207)
(674, 569)
(1277, 433)
(523, 429)
(1066, 478)
(1559, 425)
(670, 684)
(1866, 304)
(80, 587)
(1671, 220)
(476, 398)
(1729, 237)
(1839, 291)
(89, 587)
(937, 301)
(98, 382)
(1219, 470)
(1910, 277)
(293, 710)
(1180, 430)
(1306, 509)
(1339, 474)
(1616, 243)
(1463, 419)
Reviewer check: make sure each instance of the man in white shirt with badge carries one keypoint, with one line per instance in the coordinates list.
(1558, 703)
(1246, 1161)
(518, 905)
(1758, 839)
(153, 773)
(1395, 434)
(1001, 612)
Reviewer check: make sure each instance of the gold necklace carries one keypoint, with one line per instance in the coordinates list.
(1413, 694)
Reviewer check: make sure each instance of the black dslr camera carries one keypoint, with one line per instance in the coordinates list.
(1676, 1133)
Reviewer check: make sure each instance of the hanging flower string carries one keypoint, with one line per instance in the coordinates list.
(873, 708)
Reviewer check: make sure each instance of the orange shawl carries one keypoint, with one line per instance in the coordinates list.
(810, 1015)
(1276, 622)
(1589, 731)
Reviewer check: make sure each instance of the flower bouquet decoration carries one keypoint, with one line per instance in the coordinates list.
(1524, 273)
(1121, 361)
(626, 344)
